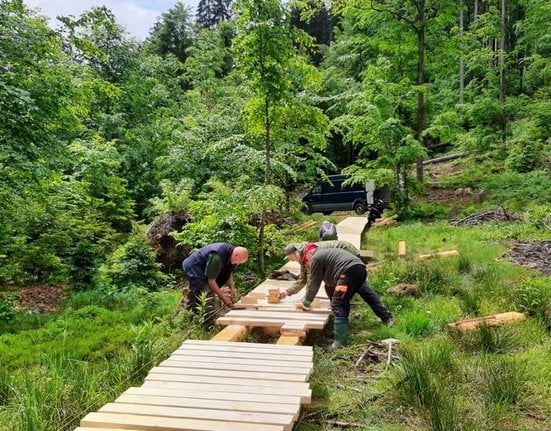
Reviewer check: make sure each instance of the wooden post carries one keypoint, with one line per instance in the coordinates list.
(402, 249)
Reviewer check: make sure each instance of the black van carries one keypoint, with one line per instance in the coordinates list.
(330, 195)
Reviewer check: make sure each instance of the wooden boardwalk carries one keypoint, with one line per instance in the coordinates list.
(224, 385)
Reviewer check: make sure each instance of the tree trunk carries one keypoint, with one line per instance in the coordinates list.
(475, 9)
(268, 143)
(261, 266)
(420, 81)
(502, 54)
(461, 57)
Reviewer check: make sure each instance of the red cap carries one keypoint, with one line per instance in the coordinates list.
(306, 249)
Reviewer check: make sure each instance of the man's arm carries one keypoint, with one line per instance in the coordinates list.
(297, 285)
(231, 285)
(216, 289)
(316, 277)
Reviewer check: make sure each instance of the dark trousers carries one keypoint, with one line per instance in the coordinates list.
(351, 282)
(197, 285)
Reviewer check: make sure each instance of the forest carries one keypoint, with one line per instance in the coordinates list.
(118, 158)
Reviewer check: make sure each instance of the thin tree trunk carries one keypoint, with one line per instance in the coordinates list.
(475, 9)
(420, 81)
(261, 266)
(461, 57)
(502, 54)
(268, 143)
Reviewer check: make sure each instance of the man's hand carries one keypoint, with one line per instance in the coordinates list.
(234, 295)
(283, 294)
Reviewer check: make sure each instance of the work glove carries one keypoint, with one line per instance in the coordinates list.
(283, 294)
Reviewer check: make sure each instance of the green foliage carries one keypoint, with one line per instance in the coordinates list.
(518, 190)
(133, 266)
(534, 298)
(7, 311)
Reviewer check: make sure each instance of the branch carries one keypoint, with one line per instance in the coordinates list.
(397, 15)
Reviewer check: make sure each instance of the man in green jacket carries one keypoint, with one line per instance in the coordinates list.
(344, 275)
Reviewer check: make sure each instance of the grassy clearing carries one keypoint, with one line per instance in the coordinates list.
(490, 379)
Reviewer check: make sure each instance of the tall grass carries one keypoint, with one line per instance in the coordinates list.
(488, 339)
(504, 380)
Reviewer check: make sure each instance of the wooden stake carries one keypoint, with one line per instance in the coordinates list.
(402, 249)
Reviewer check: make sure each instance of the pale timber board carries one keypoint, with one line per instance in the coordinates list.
(305, 395)
(253, 345)
(202, 414)
(231, 405)
(244, 355)
(231, 373)
(153, 375)
(151, 423)
(240, 347)
(285, 340)
(295, 315)
(209, 362)
(210, 395)
(282, 368)
(231, 333)
(104, 429)
(253, 321)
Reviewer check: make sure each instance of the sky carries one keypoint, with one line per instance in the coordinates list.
(137, 16)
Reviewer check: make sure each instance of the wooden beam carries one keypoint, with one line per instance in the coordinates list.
(231, 333)
(492, 320)
(401, 249)
(449, 253)
(367, 253)
(225, 416)
(292, 340)
(152, 423)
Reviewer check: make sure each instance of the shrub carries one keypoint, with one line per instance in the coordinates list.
(518, 190)
(133, 265)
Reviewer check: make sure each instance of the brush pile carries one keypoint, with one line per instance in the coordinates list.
(495, 215)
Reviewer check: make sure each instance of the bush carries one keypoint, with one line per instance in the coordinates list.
(132, 266)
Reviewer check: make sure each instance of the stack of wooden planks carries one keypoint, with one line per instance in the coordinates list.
(212, 385)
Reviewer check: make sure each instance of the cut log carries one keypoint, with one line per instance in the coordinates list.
(492, 320)
(449, 253)
(367, 253)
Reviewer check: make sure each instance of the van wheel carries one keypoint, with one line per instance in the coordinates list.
(308, 209)
(360, 208)
(327, 212)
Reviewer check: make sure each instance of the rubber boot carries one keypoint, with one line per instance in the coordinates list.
(341, 337)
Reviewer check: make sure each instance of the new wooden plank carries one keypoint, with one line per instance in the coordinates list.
(257, 375)
(233, 405)
(231, 333)
(202, 414)
(239, 348)
(259, 322)
(281, 368)
(154, 375)
(252, 345)
(220, 362)
(243, 355)
(257, 388)
(278, 315)
(214, 395)
(151, 423)
(103, 429)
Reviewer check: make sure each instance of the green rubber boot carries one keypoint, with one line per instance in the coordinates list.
(341, 337)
